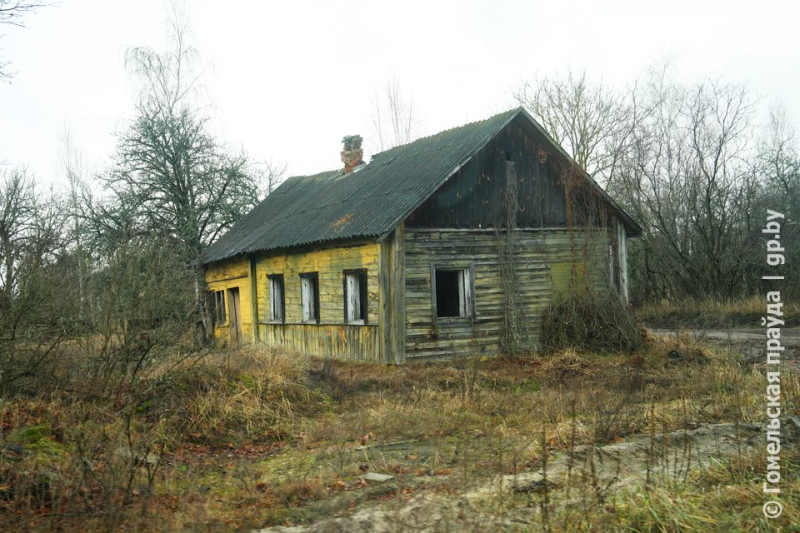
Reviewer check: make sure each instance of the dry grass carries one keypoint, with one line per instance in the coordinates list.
(252, 437)
(725, 497)
(712, 313)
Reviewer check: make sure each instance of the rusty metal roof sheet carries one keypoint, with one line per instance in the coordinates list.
(369, 202)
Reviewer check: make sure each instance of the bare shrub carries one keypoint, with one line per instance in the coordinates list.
(587, 321)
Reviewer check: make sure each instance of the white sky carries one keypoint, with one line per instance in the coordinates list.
(290, 78)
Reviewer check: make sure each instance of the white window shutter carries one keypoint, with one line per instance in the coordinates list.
(307, 297)
(353, 286)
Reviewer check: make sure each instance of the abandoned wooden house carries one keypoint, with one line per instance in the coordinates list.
(432, 249)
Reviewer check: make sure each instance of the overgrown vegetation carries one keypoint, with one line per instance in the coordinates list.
(590, 322)
(111, 266)
(253, 437)
(116, 415)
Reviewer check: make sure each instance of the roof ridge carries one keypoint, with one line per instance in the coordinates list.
(319, 207)
(450, 130)
(509, 112)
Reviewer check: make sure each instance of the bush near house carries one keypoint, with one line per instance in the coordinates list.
(587, 321)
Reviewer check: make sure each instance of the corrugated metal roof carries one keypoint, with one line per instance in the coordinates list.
(367, 203)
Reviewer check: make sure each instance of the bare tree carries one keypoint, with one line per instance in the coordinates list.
(30, 313)
(178, 181)
(392, 118)
(593, 122)
(683, 161)
(169, 79)
(17, 223)
(172, 179)
(690, 180)
(169, 166)
(30, 237)
(12, 12)
(267, 175)
(76, 172)
(780, 156)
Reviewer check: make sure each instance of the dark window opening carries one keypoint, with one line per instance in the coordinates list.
(452, 293)
(219, 308)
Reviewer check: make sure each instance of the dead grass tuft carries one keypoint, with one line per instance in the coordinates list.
(568, 364)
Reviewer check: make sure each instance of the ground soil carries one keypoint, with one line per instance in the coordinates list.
(748, 342)
(626, 464)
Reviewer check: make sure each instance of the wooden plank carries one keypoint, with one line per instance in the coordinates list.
(356, 343)
(386, 278)
(536, 251)
(330, 340)
(253, 297)
(399, 295)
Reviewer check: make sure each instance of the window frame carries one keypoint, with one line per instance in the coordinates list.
(272, 278)
(468, 283)
(363, 288)
(220, 309)
(315, 277)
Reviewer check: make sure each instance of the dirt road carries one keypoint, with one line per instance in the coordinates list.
(586, 470)
(749, 342)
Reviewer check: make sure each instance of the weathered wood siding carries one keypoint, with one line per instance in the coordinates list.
(355, 343)
(229, 275)
(546, 260)
(331, 337)
(392, 297)
(474, 196)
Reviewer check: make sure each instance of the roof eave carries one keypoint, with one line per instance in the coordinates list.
(285, 249)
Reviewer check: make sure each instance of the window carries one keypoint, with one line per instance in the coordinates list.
(355, 296)
(276, 298)
(219, 307)
(622, 249)
(453, 292)
(309, 296)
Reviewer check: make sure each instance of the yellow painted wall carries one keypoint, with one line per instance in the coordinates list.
(332, 338)
(354, 343)
(227, 275)
(330, 263)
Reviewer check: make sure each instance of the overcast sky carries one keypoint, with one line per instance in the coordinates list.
(289, 79)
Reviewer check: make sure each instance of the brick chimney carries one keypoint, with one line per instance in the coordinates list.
(352, 154)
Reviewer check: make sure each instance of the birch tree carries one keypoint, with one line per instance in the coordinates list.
(172, 179)
(393, 118)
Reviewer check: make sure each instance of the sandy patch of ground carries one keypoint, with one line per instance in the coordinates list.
(627, 464)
